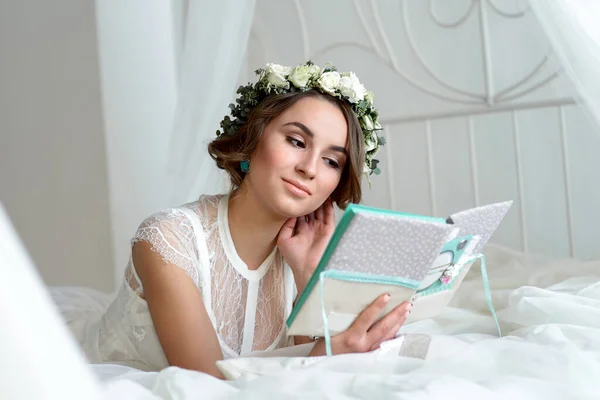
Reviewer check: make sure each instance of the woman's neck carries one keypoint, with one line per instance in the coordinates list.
(253, 228)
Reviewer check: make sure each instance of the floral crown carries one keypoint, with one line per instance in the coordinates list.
(278, 79)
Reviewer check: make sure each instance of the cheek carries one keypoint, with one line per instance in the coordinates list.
(278, 158)
(272, 157)
(330, 180)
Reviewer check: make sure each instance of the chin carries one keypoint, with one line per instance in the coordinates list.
(281, 202)
(291, 208)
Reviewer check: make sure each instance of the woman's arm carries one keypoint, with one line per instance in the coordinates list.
(180, 319)
(302, 242)
(300, 285)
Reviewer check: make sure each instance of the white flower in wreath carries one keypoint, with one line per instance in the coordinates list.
(368, 122)
(277, 75)
(351, 87)
(371, 143)
(314, 70)
(329, 81)
(300, 76)
(369, 98)
(366, 168)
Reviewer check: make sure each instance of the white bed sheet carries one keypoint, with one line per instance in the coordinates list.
(549, 313)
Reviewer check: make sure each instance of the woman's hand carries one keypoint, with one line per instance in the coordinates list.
(365, 334)
(302, 242)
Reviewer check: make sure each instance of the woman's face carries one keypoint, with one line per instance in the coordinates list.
(300, 158)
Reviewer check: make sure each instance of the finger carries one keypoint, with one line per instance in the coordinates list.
(287, 230)
(328, 214)
(319, 213)
(310, 217)
(369, 315)
(385, 324)
(301, 224)
(391, 334)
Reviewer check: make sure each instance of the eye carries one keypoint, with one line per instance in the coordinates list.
(296, 142)
(332, 163)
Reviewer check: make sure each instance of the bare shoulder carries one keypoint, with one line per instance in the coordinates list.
(178, 313)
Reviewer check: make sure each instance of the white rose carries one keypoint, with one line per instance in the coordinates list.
(368, 122)
(329, 81)
(314, 70)
(277, 75)
(370, 97)
(351, 87)
(371, 143)
(279, 69)
(300, 76)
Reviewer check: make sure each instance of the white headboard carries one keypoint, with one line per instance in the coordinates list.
(474, 105)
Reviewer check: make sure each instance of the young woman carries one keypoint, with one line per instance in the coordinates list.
(218, 277)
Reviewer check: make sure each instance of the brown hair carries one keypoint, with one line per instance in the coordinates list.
(229, 151)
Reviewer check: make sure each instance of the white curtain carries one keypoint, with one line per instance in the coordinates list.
(215, 39)
(573, 27)
(166, 83)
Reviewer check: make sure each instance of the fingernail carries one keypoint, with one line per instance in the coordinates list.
(407, 313)
(387, 297)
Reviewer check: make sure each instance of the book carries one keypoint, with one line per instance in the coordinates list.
(412, 257)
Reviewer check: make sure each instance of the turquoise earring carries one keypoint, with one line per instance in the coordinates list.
(245, 166)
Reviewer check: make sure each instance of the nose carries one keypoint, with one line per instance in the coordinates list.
(307, 166)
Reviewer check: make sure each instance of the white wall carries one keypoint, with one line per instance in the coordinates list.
(87, 95)
(53, 179)
(475, 109)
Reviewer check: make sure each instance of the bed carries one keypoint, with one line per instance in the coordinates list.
(549, 311)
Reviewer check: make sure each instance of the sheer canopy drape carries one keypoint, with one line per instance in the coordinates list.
(214, 42)
(573, 28)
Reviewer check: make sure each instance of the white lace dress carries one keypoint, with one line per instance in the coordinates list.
(247, 308)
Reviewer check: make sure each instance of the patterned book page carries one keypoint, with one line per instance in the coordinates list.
(390, 246)
(481, 221)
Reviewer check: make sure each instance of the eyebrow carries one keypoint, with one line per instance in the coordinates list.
(310, 133)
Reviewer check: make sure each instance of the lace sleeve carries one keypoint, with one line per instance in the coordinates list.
(171, 235)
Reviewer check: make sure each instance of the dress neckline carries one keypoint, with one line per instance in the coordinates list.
(229, 247)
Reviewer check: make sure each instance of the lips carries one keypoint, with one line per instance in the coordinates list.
(299, 186)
